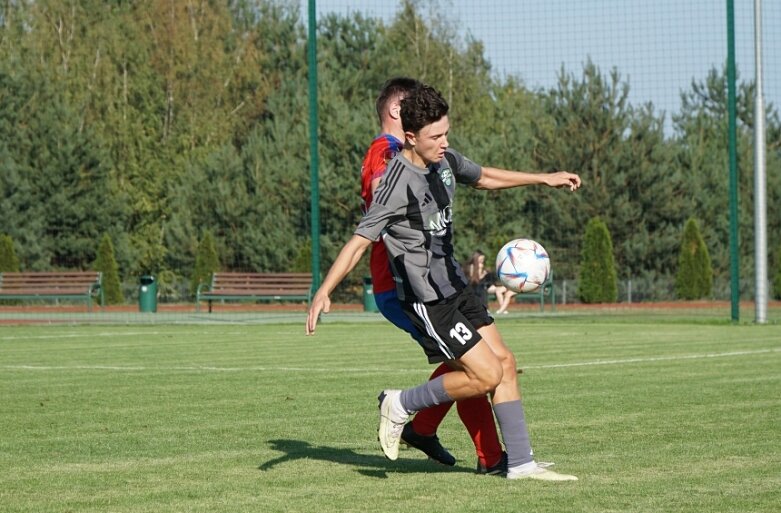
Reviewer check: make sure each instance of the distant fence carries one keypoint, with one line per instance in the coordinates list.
(639, 290)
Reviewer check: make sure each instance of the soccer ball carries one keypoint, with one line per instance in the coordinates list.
(522, 265)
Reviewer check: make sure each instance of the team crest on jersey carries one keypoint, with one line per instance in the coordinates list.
(388, 155)
(447, 176)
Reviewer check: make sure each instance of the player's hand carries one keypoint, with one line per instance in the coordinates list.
(561, 179)
(320, 303)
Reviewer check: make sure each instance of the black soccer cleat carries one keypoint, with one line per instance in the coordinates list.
(428, 444)
(500, 469)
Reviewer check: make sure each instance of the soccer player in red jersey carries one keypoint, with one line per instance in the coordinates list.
(475, 413)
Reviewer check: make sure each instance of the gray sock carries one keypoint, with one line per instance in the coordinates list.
(428, 394)
(512, 424)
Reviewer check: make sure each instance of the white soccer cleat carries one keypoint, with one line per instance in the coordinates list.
(391, 424)
(538, 472)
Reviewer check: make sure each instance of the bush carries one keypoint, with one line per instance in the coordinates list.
(8, 261)
(206, 262)
(106, 264)
(694, 279)
(598, 282)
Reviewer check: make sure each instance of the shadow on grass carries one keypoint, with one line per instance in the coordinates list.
(368, 465)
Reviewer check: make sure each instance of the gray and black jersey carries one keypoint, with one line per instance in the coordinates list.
(413, 213)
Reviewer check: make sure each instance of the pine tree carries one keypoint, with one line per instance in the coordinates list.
(8, 261)
(107, 265)
(598, 282)
(206, 261)
(694, 279)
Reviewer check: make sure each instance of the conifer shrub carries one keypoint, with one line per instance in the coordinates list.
(303, 261)
(598, 281)
(9, 263)
(107, 265)
(206, 262)
(694, 279)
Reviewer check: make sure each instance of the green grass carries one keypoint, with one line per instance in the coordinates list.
(651, 415)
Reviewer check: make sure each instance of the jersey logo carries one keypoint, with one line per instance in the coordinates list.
(437, 222)
(447, 176)
(388, 155)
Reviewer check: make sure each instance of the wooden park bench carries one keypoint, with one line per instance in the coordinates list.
(77, 286)
(229, 286)
(546, 290)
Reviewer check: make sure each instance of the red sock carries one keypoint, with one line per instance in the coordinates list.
(478, 417)
(476, 414)
(427, 421)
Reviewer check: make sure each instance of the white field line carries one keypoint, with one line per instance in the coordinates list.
(110, 334)
(345, 370)
(647, 359)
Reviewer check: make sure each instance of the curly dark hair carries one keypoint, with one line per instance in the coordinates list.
(423, 106)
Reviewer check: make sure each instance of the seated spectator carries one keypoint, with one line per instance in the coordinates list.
(483, 282)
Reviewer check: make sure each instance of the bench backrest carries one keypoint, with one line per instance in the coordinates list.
(51, 283)
(262, 283)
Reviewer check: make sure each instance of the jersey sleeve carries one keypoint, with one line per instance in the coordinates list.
(374, 222)
(374, 165)
(465, 171)
(376, 160)
(389, 205)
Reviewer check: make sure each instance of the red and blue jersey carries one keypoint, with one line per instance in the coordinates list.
(381, 151)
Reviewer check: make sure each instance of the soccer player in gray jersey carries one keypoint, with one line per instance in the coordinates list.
(413, 213)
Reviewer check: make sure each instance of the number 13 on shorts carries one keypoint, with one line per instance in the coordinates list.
(461, 333)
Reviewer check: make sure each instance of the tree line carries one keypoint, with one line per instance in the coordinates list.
(159, 122)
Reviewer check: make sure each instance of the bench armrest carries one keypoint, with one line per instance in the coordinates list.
(97, 290)
(202, 287)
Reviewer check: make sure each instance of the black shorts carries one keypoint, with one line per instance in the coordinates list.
(449, 327)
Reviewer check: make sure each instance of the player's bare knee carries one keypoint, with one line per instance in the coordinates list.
(509, 363)
(482, 383)
(490, 380)
(509, 369)
(482, 388)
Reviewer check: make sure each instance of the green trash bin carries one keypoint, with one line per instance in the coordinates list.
(147, 294)
(369, 303)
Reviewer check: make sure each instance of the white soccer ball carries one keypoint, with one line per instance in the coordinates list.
(522, 265)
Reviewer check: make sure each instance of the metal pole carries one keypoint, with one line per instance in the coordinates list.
(733, 163)
(314, 161)
(760, 177)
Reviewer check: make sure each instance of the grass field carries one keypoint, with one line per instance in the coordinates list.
(653, 415)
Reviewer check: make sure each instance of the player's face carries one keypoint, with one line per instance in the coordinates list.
(431, 141)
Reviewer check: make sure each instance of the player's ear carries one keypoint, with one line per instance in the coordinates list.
(411, 139)
(394, 110)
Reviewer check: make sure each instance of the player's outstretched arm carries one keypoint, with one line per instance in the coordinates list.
(493, 178)
(348, 258)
